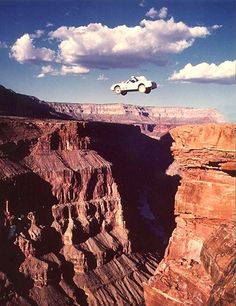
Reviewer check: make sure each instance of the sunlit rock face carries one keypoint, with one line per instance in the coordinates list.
(198, 267)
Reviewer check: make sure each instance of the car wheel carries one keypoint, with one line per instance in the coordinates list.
(141, 88)
(124, 93)
(148, 90)
(117, 90)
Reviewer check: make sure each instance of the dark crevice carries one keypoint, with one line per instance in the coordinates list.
(68, 275)
(230, 172)
(26, 193)
(91, 186)
(139, 163)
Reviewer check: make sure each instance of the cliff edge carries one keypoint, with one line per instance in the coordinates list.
(199, 263)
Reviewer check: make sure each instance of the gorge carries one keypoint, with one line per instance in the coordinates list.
(115, 205)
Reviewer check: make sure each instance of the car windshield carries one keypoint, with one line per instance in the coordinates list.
(132, 80)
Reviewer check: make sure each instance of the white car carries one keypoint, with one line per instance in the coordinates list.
(135, 83)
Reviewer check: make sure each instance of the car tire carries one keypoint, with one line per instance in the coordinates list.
(117, 90)
(124, 93)
(142, 88)
(148, 90)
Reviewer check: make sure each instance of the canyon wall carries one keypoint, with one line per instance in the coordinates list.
(154, 121)
(134, 113)
(71, 229)
(199, 263)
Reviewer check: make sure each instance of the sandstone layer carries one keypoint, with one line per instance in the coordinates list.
(199, 263)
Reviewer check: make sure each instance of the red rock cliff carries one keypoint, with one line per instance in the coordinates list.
(199, 263)
(64, 238)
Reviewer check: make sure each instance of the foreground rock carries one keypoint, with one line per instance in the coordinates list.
(199, 263)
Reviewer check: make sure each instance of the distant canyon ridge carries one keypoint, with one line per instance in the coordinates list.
(153, 120)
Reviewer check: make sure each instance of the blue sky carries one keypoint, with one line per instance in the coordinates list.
(73, 51)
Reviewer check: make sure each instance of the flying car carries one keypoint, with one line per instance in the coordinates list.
(135, 83)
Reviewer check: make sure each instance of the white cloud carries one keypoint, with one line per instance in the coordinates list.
(79, 49)
(77, 69)
(216, 26)
(224, 73)
(63, 70)
(163, 13)
(3, 45)
(152, 13)
(98, 46)
(24, 51)
(142, 3)
(47, 70)
(102, 77)
(49, 24)
(37, 34)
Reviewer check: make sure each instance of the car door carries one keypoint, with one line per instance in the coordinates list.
(131, 85)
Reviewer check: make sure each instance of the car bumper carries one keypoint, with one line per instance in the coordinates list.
(154, 85)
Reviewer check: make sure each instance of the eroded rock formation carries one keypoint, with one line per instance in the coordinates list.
(71, 228)
(199, 263)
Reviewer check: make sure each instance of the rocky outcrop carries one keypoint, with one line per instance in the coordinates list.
(198, 267)
(218, 257)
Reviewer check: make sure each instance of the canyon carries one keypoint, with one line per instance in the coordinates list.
(115, 204)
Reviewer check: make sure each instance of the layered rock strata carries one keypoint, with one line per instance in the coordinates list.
(64, 233)
(199, 263)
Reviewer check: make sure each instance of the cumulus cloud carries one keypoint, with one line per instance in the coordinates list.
(77, 69)
(3, 45)
(224, 73)
(47, 70)
(98, 46)
(79, 49)
(142, 3)
(152, 13)
(37, 34)
(63, 70)
(163, 13)
(102, 77)
(49, 24)
(24, 51)
(216, 26)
